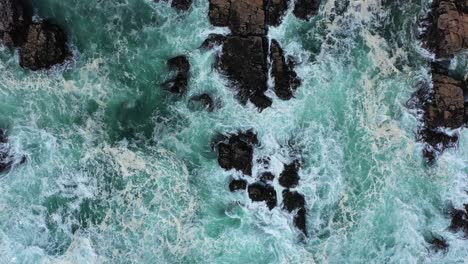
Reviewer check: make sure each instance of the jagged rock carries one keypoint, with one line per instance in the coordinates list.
(15, 17)
(244, 17)
(44, 46)
(447, 31)
(459, 220)
(295, 202)
(244, 62)
(305, 9)
(286, 80)
(436, 142)
(237, 185)
(202, 101)
(236, 152)
(212, 41)
(260, 192)
(6, 158)
(267, 177)
(275, 11)
(179, 83)
(438, 243)
(289, 178)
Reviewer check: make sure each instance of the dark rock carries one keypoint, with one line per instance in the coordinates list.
(44, 46)
(275, 11)
(260, 192)
(237, 185)
(181, 5)
(438, 243)
(265, 162)
(459, 220)
(244, 62)
(178, 84)
(305, 9)
(202, 101)
(289, 178)
(15, 17)
(286, 80)
(7, 159)
(212, 41)
(267, 177)
(295, 202)
(244, 17)
(236, 152)
(436, 142)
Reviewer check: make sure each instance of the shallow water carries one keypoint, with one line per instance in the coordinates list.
(120, 171)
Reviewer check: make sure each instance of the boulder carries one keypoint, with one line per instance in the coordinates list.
(275, 11)
(45, 46)
(15, 17)
(212, 41)
(178, 84)
(267, 177)
(202, 101)
(237, 185)
(243, 17)
(459, 220)
(286, 80)
(261, 192)
(236, 152)
(289, 178)
(438, 243)
(305, 9)
(181, 5)
(244, 62)
(294, 202)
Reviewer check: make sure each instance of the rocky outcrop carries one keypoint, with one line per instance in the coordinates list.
(459, 220)
(282, 71)
(181, 5)
(244, 56)
(15, 17)
(294, 202)
(289, 178)
(7, 159)
(306, 9)
(237, 185)
(42, 44)
(261, 192)
(202, 101)
(181, 66)
(446, 30)
(236, 152)
(213, 40)
(44, 47)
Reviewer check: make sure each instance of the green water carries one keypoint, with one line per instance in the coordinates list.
(121, 171)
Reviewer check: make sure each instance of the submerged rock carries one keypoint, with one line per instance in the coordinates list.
(236, 152)
(286, 80)
(289, 178)
(237, 185)
(212, 41)
(261, 192)
(179, 83)
(438, 243)
(305, 9)
(44, 46)
(181, 5)
(6, 158)
(294, 202)
(244, 62)
(15, 17)
(459, 220)
(202, 101)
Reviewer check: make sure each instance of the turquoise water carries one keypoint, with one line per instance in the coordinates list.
(121, 171)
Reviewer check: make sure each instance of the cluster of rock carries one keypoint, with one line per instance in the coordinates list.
(7, 159)
(236, 152)
(41, 44)
(245, 52)
(445, 105)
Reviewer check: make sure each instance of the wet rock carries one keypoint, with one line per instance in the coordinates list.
(459, 220)
(236, 152)
(447, 32)
(267, 177)
(295, 202)
(212, 41)
(181, 5)
(178, 84)
(305, 9)
(260, 192)
(289, 178)
(436, 142)
(275, 11)
(202, 101)
(438, 243)
(7, 159)
(286, 79)
(15, 17)
(243, 17)
(244, 62)
(237, 185)
(44, 46)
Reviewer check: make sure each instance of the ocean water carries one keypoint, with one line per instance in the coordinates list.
(120, 171)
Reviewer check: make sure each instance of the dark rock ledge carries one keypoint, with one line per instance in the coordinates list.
(235, 151)
(244, 56)
(42, 44)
